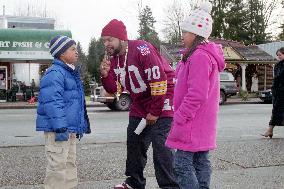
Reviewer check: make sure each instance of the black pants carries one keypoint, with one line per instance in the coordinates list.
(137, 146)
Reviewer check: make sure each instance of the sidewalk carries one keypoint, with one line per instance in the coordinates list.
(26, 105)
(236, 100)
(229, 179)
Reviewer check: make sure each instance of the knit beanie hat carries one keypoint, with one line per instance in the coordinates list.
(115, 28)
(59, 44)
(199, 21)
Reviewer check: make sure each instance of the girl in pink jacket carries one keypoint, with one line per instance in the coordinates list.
(196, 101)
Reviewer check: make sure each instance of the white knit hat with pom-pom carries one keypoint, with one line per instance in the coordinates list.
(199, 21)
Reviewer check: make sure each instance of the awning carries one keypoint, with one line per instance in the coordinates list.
(27, 44)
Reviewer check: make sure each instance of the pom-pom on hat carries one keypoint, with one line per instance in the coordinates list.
(199, 21)
(115, 28)
(59, 44)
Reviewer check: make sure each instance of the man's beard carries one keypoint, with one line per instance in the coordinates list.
(117, 50)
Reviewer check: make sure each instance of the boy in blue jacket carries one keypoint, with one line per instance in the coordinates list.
(62, 114)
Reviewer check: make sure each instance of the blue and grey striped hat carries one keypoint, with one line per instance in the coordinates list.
(59, 44)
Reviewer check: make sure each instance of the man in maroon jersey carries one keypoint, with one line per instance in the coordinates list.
(138, 67)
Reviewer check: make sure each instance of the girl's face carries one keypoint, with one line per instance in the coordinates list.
(188, 38)
(280, 55)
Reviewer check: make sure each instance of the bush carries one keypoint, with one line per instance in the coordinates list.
(2, 94)
(244, 95)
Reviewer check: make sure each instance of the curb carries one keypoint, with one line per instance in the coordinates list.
(35, 106)
(242, 102)
(28, 106)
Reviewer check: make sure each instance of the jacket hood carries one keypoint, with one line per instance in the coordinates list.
(216, 51)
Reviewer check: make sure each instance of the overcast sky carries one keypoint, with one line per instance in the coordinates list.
(86, 18)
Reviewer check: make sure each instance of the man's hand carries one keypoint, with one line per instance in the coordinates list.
(104, 68)
(150, 119)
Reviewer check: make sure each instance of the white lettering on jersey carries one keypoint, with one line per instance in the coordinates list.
(155, 72)
(167, 105)
(121, 73)
(148, 72)
(143, 86)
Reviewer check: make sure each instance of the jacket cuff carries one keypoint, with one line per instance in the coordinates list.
(61, 130)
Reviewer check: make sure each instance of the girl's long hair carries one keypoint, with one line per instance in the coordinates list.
(197, 41)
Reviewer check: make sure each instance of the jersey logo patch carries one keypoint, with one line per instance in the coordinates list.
(144, 50)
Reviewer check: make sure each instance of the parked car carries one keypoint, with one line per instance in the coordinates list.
(228, 86)
(265, 96)
(121, 103)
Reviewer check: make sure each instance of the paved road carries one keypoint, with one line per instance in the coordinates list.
(17, 127)
(243, 158)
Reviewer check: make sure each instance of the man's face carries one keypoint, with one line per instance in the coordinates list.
(112, 45)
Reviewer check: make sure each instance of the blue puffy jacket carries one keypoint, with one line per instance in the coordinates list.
(61, 102)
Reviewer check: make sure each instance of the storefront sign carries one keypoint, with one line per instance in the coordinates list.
(24, 44)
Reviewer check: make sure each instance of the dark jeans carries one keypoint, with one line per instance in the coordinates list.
(137, 146)
(192, 169)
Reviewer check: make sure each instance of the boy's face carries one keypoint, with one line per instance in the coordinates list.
(70, 56)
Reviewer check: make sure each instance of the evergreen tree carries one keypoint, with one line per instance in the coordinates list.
(242, 20)
(146, 27)
(82, 58)
(95, 55)
(85, 76)
(260, 13)
(219, 8)
(256, 33)
(236, 22)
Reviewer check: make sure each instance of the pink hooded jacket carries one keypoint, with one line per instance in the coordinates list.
(196, 100)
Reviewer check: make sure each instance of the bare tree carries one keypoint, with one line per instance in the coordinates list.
(139, 6)
(175, 14)
(269, 11)
(37, 8)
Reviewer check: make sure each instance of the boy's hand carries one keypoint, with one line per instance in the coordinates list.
(150, 119)
(104, 68)
(62, 136)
